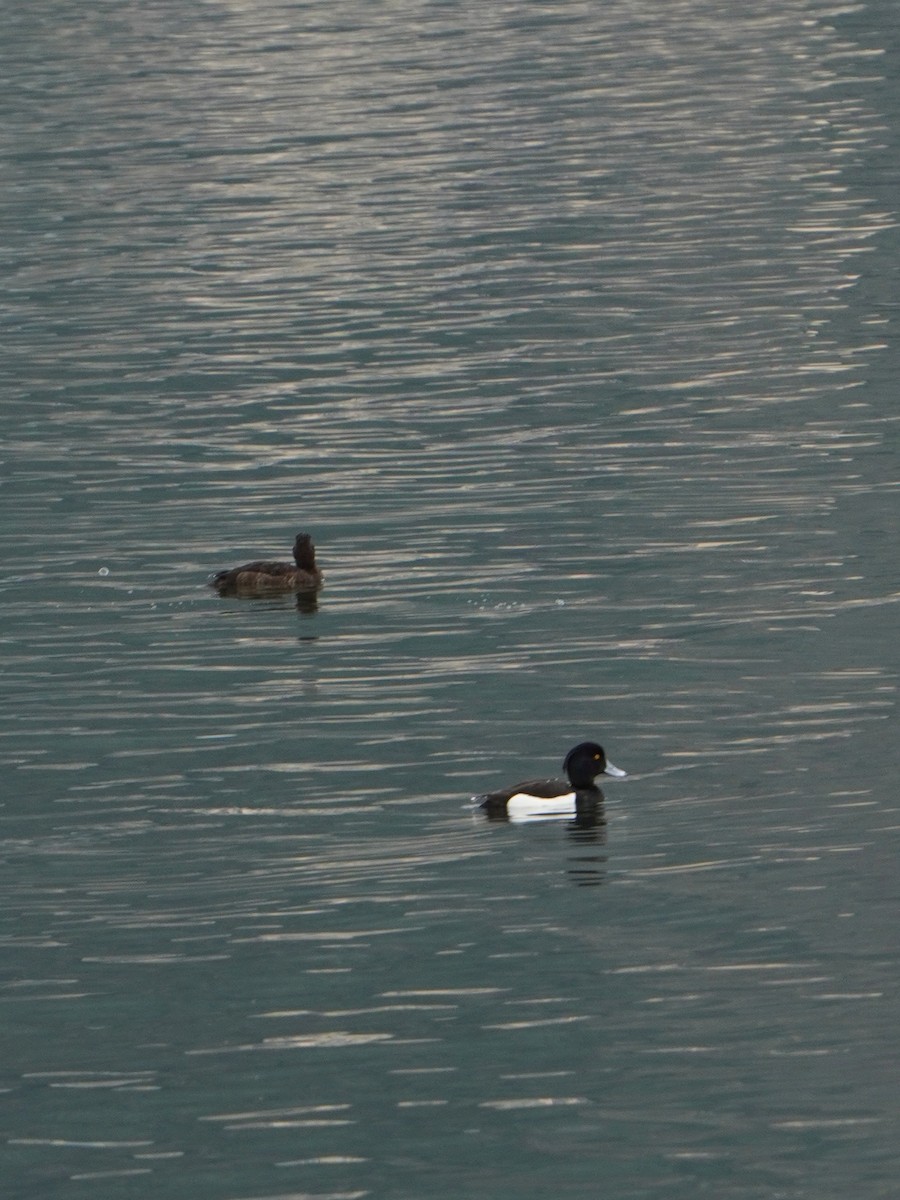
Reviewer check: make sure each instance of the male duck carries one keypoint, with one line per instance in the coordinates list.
(258, 578)
(555, 797)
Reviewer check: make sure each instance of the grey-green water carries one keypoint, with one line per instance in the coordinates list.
(570, 332)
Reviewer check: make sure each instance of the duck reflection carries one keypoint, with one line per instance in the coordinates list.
(587, 867)
(307, 603)
(586, 831)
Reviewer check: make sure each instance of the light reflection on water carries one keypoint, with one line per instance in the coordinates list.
(559, 330)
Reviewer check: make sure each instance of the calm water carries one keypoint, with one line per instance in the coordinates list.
(570, 331)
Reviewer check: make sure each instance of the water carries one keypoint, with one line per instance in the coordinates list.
(569, 332)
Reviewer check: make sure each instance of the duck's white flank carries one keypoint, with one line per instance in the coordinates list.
(522, 807)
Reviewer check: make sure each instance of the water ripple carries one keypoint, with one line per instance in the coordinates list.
(568, 332)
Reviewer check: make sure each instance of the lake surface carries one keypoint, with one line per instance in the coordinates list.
(570, 333)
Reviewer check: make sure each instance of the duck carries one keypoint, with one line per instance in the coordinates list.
(548, 798)
(261, 577)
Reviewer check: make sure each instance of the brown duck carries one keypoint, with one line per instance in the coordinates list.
(258, 578)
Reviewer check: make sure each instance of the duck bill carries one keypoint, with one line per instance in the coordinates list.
(615, 772)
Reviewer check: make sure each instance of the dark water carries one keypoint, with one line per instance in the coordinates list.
(570, 333)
